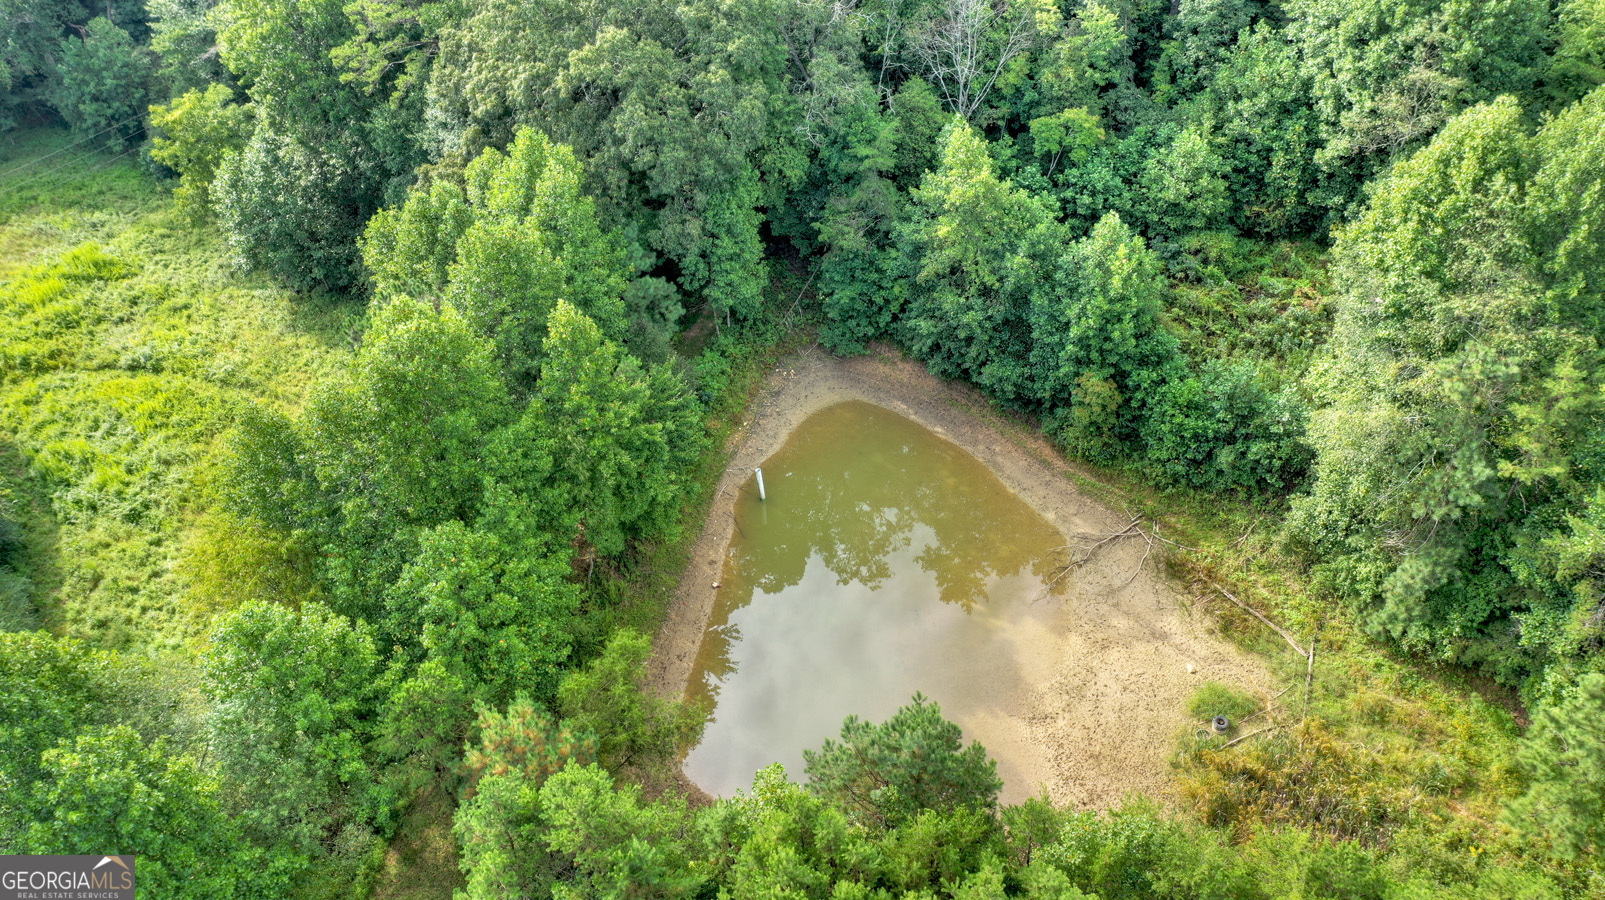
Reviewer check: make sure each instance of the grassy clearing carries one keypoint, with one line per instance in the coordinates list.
(127, 342)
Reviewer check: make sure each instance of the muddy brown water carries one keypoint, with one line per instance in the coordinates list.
(885, 561)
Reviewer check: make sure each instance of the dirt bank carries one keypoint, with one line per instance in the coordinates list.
(1102, 718)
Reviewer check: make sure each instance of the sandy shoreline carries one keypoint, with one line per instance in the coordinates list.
(1101, 718)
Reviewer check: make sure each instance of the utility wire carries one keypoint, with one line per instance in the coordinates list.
(18, 168)
(17, 188)
(107, 163)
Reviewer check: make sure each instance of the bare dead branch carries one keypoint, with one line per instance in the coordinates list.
(1245, 737)
(963, 54)
(1268, 623)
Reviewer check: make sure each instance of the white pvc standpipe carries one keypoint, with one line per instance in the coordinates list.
(760, 484)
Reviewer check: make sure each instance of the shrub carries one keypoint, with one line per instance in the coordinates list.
(633, 726)
(1222, 430)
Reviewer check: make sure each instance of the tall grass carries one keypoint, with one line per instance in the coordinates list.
(127, 342)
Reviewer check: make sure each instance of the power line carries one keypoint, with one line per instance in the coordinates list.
(17, 188)
(13, 170)
(107, 163)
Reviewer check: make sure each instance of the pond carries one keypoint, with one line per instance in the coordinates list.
(885, 561)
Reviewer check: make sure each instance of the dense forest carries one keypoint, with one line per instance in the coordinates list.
(365, 366)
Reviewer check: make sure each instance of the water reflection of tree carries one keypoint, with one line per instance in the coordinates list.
(715, 663)
(840, 518)
(856, 502)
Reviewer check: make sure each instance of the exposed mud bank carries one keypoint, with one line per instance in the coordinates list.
(1101, 718)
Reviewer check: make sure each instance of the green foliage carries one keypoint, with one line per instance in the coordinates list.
(184, 36)
(858, 273)
(609, 844)
(293, 698)
(1563, 211)
(533, 827)
(421, 728)
(971, 245)
(1222, 430)
(527, 742)
(327, 152)
(112, 790)
(1315, 868)
(1182, 188)
(679, 115)
(886, 774)
(573, 836)
(1458, 384)
(31, 36)
(48, 692)
(1095, 338)
(489, 606)
(1564, 754)
(393, 45)
(1071, 136)
(102, 81)
(394, 446)
(735, 280)
(1135, 853)
(1251, 300)
(634, 728)
(782, 837)
(1099, 314)
(1213, 699)
(1578, 64)
(280, 51)
(1267, 135)
(505, 251)
(499, 829)
(1203, 33)
(621, 438)
(292, 210)
(1388, 74)
(201, 128)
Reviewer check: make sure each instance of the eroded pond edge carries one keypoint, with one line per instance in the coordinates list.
(1105, 725)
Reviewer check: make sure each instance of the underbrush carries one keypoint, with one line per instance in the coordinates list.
(1235, 298)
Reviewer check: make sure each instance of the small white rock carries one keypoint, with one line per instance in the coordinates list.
(1190, 667)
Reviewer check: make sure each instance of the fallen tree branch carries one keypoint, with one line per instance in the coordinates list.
(1309, 675)
(1131, 528)
(1250, 531)
(1174, 544)
(1268, 623)
(1138, 571)
(1249, 735)
(1270, 705)
(800, 296)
